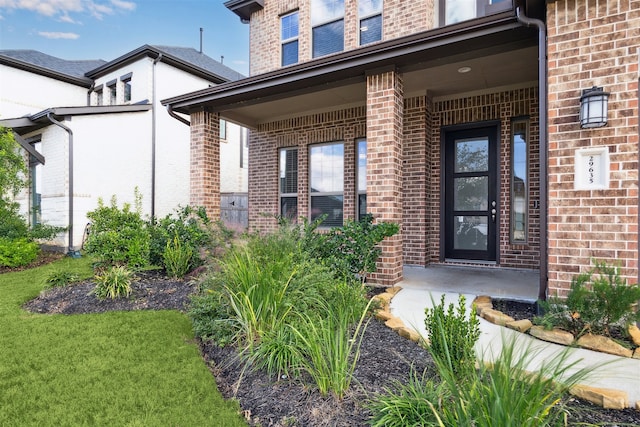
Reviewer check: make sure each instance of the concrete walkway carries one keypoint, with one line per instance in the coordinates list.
(608, 371)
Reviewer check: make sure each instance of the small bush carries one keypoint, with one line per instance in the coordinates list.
(119, 235)
(59, 278)
(453, 334)
(190, 224)
(17, 252)
(177, 257)
(210, 315)
(114, 282)
(598, 300)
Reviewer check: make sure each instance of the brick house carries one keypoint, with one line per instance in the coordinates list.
(458, 119)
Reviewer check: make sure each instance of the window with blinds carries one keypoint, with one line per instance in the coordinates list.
(289, 183)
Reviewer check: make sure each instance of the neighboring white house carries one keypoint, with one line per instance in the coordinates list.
(94, 129)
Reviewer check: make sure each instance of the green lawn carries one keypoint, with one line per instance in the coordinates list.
(113, 369)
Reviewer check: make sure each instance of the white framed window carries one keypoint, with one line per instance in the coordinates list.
(289, 32)
(519, 180)
(361, 176)
(223, 129)
(113, 93)
(99, 96)
(327, 23)
(326, 182)
(288, 179)
(370, 19)
(126, 82)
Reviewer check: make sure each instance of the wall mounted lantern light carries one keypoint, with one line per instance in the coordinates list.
(593, 108)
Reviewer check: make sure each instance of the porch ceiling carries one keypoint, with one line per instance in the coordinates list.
(499, 54)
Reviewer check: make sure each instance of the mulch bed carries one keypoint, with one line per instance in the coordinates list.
(385, 359)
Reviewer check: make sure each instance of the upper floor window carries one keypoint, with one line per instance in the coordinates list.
(99, 96)
(452, 11)
(126, 80)
(289, 183)
(326, 181)
(289, 38)
(327, 22)
(113, 97)
(370, 15)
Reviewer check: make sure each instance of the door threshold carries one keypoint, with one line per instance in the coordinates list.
(469, 262)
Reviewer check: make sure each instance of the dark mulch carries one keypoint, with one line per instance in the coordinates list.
(385, 359)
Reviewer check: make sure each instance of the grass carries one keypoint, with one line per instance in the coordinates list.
(118, 368)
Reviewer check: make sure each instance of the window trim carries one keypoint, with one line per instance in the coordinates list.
(126, 81)
(290, 39)
(512, 213)
(325, 193)
(359, 192)
(222, 130)
(282, 195)
(328, 21)
(368, 16)
(113, 90)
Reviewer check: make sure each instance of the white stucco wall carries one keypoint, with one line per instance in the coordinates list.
(22, 92)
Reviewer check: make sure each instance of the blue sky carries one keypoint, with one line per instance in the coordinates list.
(107, 29)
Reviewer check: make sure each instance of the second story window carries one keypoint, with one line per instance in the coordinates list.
(370, 15)
(289, 38)
(113, 97)
(327, 22)
(126, 81)
(99, 96)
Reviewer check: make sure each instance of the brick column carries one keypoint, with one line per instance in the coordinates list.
(384, 165)
(205, 162)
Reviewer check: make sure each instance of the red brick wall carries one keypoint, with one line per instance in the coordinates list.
(399, 18)
(384, 166)
(592, 43)
(502, 106)
(205, 162)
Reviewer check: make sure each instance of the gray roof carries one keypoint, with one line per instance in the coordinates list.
(42, 60)
(201, 60)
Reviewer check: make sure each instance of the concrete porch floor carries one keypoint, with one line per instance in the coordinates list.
(498, 283)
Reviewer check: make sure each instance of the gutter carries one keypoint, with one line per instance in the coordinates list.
(71, 250)
(153, 141)
(543, 105)
(177, 117)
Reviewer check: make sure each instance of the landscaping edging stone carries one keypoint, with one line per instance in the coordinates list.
(606, 398)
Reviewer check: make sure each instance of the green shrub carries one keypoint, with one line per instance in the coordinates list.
(351, 250)
(190, 224)
(114, 282)
(211, 317)
(177, 257)
(59, 278)
(407, 404)
(118, 236)
(17, 252)
(597, 300)
(453, 333)
(330, 347)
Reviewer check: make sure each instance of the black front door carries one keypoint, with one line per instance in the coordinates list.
(471, 202)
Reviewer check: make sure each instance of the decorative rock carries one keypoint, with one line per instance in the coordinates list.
(607, 398)
(520, 325)
(634, 332)
(383, 315)
(638, 405)
(555, 335)
(603, 344)
(393, 290)
(394, 323)
(496, 317)
(409, 334)
(636, 355)
(481, 303)
(384, 299)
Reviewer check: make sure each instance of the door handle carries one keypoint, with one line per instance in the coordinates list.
(493, 211)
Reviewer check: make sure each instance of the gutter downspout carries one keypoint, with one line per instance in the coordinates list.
(153, 142)
(543, 105)
(71, 250)
(177, 117)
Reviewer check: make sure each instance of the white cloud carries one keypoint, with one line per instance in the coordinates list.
(58, 35)
(63, 8)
